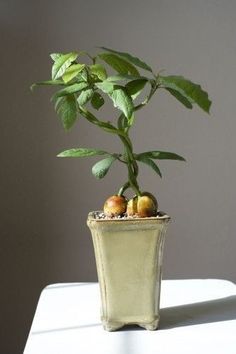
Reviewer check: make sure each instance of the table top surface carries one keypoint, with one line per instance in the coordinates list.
(197, 316)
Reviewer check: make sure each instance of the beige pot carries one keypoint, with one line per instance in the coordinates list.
(128, 256)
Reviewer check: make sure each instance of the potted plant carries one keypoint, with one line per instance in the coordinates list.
(128, 235)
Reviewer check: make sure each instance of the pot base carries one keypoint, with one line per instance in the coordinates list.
(115, 325)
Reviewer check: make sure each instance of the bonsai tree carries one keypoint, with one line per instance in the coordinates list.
(84, 82)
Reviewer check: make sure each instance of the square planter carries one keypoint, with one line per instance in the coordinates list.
(128, 256)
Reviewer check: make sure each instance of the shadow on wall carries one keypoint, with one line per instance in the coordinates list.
(24, 246)
(32, 241)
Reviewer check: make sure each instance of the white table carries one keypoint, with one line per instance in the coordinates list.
(197, 316)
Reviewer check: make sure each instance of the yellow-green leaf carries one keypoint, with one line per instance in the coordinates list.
(72, 72)
(99, 71)
(62, 63)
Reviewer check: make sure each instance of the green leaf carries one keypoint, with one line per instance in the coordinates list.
(66, 108)
(101, 168)
(72, 72)
(48, 82)
(124, 77)
(83, 75)
(105, 86)
(122, 101)
(119, 96)
(191, 91)
(97, 100)
(55, 56)
(62, 63)
(119, 64)
(134, 60)
(71, 89)
(99, 71)
(161, 155)
(180, 98)
(150, 163)
(134, 88)
(81, 152)
(85, 97)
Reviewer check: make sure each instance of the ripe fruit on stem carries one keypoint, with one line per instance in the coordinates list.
(115, 205)
(142, 206)
(150, 195)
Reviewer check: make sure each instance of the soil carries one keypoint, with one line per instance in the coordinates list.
(101, 216)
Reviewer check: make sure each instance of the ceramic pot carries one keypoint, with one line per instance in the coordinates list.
(129, 256)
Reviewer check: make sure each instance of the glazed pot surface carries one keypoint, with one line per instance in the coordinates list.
(129, 264)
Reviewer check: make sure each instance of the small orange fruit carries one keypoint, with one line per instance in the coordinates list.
(115, 205)
(152, 197)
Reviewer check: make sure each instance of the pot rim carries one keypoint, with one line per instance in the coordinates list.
(161, 217)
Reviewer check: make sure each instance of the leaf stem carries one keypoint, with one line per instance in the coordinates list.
(154, 87)
(108, 127)
(123, 188)
(129, 157)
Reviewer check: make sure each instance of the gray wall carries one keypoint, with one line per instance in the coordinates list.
(45, 200)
